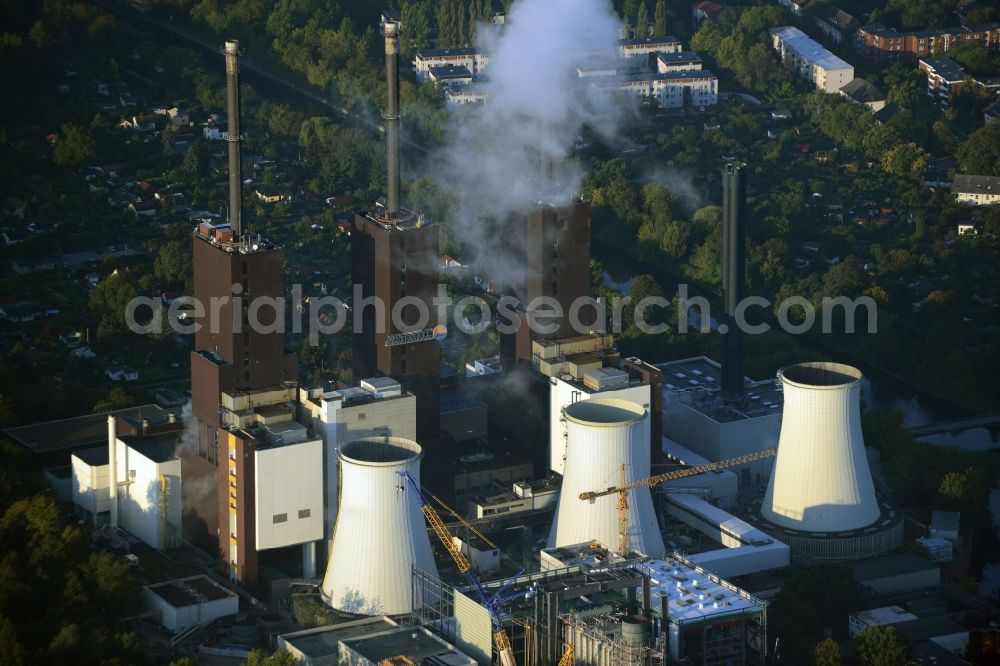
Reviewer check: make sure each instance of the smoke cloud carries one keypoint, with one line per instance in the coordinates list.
(537, 106)
(199, 489)
(681, 184)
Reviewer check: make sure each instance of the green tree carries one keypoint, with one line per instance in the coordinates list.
(10, 647)
(279, 658)
(108, 300)
(116, 399)
(660, 17)
(812, 599)
(980, 153)
(882, 646)
(173, 263)
(827, 653)
(906, 160)
(74, 146)
(642, 20)
(416, 17)
(198, 159)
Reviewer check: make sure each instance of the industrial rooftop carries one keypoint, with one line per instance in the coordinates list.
(189, 591)
(81, 431)
(695, 381)
(692, 593)
(322, 641)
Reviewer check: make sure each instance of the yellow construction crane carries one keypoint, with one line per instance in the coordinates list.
(651, 481)
(500, 637)
(567, 658)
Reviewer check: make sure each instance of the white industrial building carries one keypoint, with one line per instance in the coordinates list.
(380, 534)
(523, 496)
(90, 471)
(136, 482)
(807, 58)
(696, 417)
(607, 439)
(187, 602)
(288, 494)
(746, 549)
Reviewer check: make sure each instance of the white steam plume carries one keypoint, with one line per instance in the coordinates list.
(536, 107)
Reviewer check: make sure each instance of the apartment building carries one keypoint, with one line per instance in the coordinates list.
(807, 58)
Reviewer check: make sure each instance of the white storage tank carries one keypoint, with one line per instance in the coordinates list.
(602, 435)
(380, 533)
(821, 480)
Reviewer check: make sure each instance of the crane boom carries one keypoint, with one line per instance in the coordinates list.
(504, 649)
(652, 481)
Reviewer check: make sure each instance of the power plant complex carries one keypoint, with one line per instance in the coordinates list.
(567, 505)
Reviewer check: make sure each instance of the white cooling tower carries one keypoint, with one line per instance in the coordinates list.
(821, 481)
(380, 533)
(602, 435)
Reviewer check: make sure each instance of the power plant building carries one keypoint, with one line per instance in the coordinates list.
(584, 375)
(134, 483)
(241, 376)
(696, 416)
(394, 261)
(611, 610)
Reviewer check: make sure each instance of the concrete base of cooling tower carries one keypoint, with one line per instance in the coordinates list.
(880, 537)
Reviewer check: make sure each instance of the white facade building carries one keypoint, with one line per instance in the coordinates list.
(149, 489)
(288, 494)
(186, 602)
(674, 89)
(472, 60)
(976, 190)
(643, 46)
(90, 472)
(807, 58)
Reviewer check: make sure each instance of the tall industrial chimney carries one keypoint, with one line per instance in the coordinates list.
(390, 29)
(734, 262)
(232, 53)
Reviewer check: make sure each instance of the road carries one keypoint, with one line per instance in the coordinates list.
(275, 75)
(988, 421)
